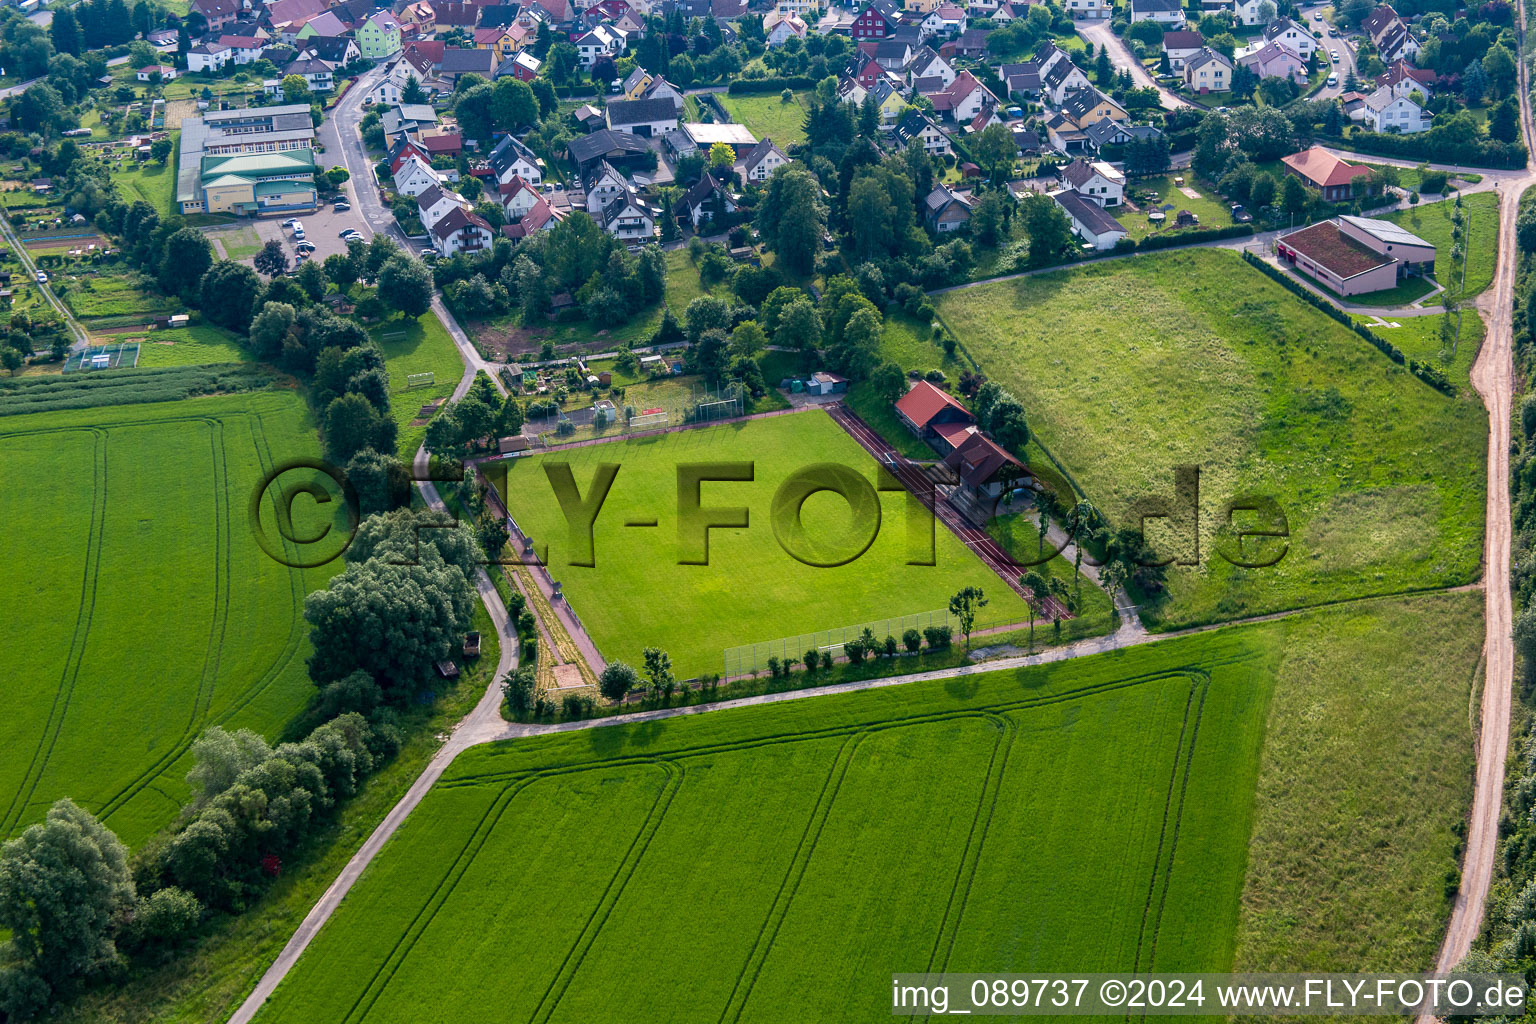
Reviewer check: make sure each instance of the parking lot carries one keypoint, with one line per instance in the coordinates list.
(322, 227)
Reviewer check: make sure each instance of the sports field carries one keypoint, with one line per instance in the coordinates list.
(1128, 369)
(141, 609)
(639, 595)
(1089, 815)
(417, 346)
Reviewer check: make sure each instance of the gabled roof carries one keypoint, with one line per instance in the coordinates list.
(1080, 101)
(604, 143)
(1159, 6)
(1280, 26)
(308, 67)
(506, 153)
(643, 111)
(758, 153)
(457, 219)
(702, 190)
(924, 401)
(430, 50)
(1401, 70)
(978, 460)
(1059, 71)
(911, 125)
(330, 48)
(212, 9)
(964, 84)
(1204, 57)
(462, 60)
(1327, 246)
(1090, 215)
(1182, 40)
(457, 15)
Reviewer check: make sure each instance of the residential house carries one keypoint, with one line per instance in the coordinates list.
(209, 57)
(459, 61)
(916, 125)
(511, 158)
(927, 64)
(327, 23)
(946, 210)
(417, 19)
(1208, 71)
(800, 7)
(464, 16)
(1010, 11)
(1090, 106)
(1089, 220)
(628, 218)
(1325, 172)
(780, 27)
(1090, 9)
(1292, 36)
(1061, 77)
(602, 182)
(434, 203)
(407, 119)
(498, 40)
(1389, 34)
(426, 56)
(1406, 80)
(963, 99)
(948, 20)
(602, 41)
(379, 37)
(708, 200)
(413, 173)
(1098, 182)
(970, 44)
(646, 118)
(442, 143)
(1247, 12)
(604, 144)
(243, 49)
(338, 51)
(757, 164)
(165, 71)
(517, 198)
(1181, 46)
(1272, 60)
(218, 13)
(661, 89)
(317, 74)
(924, 409)
(1164, 12)
(1022, 80)
(877, 20)
(890, 54)
(633, 87)
(522, 65)
(1109, 132)
(461, 231)
(1385, 111)
(888, 98)
(390, 89)
(542, 216)
(984, 120)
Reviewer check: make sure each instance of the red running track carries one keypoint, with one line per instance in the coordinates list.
(979, 541)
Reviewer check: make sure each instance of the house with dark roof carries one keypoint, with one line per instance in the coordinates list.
(1181, 46)
(1021, 79)
(946, 210)
(650, 118)
(604, 144)
(1285, 32)
(628, 218)
(963, 99)
(459, 61)
(218, 13)
(1060, 76)
(916, 125)
(1098, 182)
(1164, 12)
(1089, 220)
(511, 158)
(462, 231)
(337, 51)
(757, 164)
(1208, 71)
(708, 200)
(925, 408)
(877, 20)
(1403, 79)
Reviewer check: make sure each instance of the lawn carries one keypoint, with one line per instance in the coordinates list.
(142, 608)
(198, 345)
(154, 183)
(1129, 369)
(769, 117)
(240, 243)
(1211, 208)
(420, 346)
(1419, 338)
(98, 294)
(1432, 222)
(1093, 815)
(683, 286)
(639, 594)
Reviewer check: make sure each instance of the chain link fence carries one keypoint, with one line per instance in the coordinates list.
(750, 658)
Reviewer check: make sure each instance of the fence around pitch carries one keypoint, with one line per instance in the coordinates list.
(749, 658)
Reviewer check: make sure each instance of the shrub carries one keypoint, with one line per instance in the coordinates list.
(912, 640)
(518, 688)
(937, 637)
(855, 650)
(934, 376)
(812, 658)
(774, 668)
(577, 706)
(890, 646)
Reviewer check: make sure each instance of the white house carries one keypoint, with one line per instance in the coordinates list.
(1089, 221)
(1248, 12)
(648, 118)
(758, 163)
(1098, 182)
(518, 197)
(917, 126)
(602, 182)
(1292, 36)
(165, 71)
(244, 48)
(1060, 77)
(461, 231)
(512, 159)
(627, 217)
(1089, 9)
(208, 57)
(390, 89)
(927, 64)
(1386, 112)
(780, 27)
(1208, 71)
(602, 41)
(1164, 12)
(435, 202)
(415, 176)
(1180, 46)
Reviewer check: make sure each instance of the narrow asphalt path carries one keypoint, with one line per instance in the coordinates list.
(1098, 33)
(82, 338)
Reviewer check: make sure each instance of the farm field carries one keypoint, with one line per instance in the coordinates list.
(639, 595)
(147, 506)
(769, 117)
(198, 345)
(1132, 368)
(818, 839)
(420, 346)
(1432, 222)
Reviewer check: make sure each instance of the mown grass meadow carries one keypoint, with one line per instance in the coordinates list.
(1131, 368)
(639, 595)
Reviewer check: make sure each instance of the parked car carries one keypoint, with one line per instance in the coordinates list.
(305, 247)
(430, 252)
(1240, 215)
(1333, 54)
(1333, 79)
(342, 205)
(297, 226)
(292, 222)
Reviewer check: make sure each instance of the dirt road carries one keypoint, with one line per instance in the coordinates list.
(1493, 377)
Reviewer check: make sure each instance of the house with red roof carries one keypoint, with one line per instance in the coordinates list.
(1325, 172)
(925, 408)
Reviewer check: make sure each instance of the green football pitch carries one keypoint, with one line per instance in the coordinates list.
(638, 593)
(141, 608)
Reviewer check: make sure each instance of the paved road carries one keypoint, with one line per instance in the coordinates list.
(30, 268)
(1493, 377)
(345, 143)
(1098, 33)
